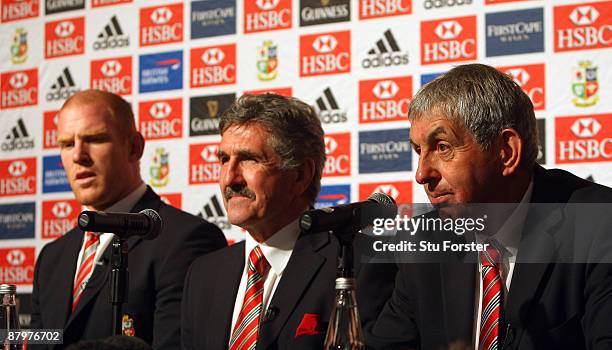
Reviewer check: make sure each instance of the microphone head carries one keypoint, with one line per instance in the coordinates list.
(385, 200)
(156, 223)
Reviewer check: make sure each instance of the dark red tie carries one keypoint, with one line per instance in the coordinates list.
(492, 289)
(92, 240)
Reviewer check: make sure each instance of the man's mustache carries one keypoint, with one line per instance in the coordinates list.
(237, 190)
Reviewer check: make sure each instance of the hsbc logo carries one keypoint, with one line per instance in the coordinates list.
(582, 27)
(519, 75)
(326, 53)
(325, 44)
(330, 145)
(267, 5)
(586, 127)
(448, 30)
(584, 15)
(338, 155)
(448, 40)
(15, 257)
(160, 110)
(213, 56)
(209, 153)
(18, 80)
(204, 167)
(61, 210)
(161, 15)
(390, 190)
(111, 68)
(64, 29)
(17, 168)
(384, 100)
(584, 139)
(19, 9)
(215, 66)
(531, 79)
(383, 8)
(385, 89)
(160, 25)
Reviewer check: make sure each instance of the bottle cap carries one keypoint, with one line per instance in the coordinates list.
(8, 289)
(345, 283)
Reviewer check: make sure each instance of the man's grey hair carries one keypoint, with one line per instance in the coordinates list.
(483, 100)
(295, 130)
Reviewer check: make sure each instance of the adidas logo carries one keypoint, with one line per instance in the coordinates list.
(18, 138)
(329, 111)
(111, 36)
(385, 53)
(214, 213)
(63, 87)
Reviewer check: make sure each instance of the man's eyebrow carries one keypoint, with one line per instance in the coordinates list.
(431, 135)
(242, 154)
(83, 135)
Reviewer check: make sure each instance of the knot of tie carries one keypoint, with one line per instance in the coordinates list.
(491, 256)
(257, 261)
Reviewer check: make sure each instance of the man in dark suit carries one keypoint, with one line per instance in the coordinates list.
(272, 155)
(100, 151)
(474, 131)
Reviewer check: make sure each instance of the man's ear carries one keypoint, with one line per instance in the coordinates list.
(511, 151)
(136, 147)
(305, 174)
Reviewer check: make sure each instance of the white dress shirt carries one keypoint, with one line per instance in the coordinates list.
(507, 240)
(124, 205)
(277, 250)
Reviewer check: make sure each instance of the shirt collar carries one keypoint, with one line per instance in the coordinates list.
(128, 202)
(509, 235)
(277, 249)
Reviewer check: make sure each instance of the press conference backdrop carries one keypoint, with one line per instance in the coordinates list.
(357, 62)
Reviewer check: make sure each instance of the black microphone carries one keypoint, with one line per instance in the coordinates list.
(352, 216)
(147, 223)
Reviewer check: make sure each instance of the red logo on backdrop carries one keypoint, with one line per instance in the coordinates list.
(59, 217)
(19, 88)
(338, 155)
(213, 65)
(583, 26)
(326, 53)
(173, 199)
(50, 119)
(13, 10)
(287, 91)
(448, 40)
(161, 119)
(384, 100)
(204, 167)
(17, 265)
(161, 24)
(384, 8)
(531, 79)
(65, 37)
(493, 2)
(17, 177)
(262, 15)
(401, 191)
(583, 139)
(113, 75)
(100, 3)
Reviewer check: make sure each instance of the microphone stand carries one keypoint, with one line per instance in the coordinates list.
(346, 256)
(119, 283)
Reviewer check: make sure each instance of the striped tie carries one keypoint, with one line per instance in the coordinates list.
(247, 326)
(491, 299)
(92, 240)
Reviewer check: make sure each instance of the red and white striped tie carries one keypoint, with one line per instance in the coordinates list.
(246, 330)
(92, 240)
(492, 289)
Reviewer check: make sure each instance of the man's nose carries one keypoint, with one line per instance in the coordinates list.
(231, 173)
(80, 152)
(426, 171)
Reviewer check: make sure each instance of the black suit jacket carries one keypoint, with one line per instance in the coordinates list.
(551, 304)
(306, 287)
(156, 273)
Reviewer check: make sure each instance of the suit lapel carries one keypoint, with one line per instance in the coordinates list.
(67, 264)
(302, 268)
(227, 282)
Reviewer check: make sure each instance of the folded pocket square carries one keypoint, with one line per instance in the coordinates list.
(309, 325)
